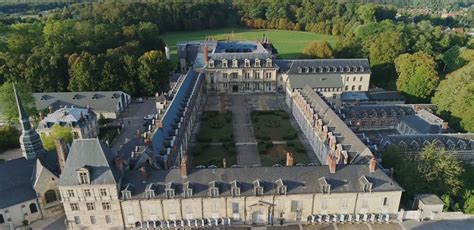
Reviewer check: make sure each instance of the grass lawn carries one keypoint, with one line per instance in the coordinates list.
(216, 127)
(289, 43)
(272, 125)
(205, 154)
(276, 154)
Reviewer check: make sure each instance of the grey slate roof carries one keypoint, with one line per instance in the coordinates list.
(93, 155)
(16, 181)
(357, 150)
(364, 111)
(385, 96)
(315, 81)
(429, 199)
(325, 66)
(420, 124)
(299, 180)
(453, 141)
(99, 101)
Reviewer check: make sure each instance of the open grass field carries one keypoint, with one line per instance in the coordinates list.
(289, 43)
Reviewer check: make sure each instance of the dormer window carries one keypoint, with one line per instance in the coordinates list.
(235, 63)
(327, 69)
(313, 69)
(361, 69)
(341, 69)
(150, 191)
(307, 70)
(325, 185)
(320, 69)
(224, 63)
(300, 70)
(83, 176)
(235, 188)
(334, 69)
(247, 63)
(366, 185)
(127, 191)
(269, 62)
(348, 69)
(281, 187)
(211, 63)
(258, 188)
(354, 68)
(257, 62)
(187, 190)
(213, 190)
(169, 190)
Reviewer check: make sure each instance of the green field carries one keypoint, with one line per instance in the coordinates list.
(289, 43)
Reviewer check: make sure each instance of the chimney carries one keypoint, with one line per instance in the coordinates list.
(417, 108)
(50, 108)
(119, 164)
(184, 166)
(206, 54)
(289, 159)
(224, 163)
(62, 151)
(331, 162)
(373, 164)
(445, 126)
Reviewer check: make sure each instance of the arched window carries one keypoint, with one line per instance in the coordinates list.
(50, 196)
(385, 201)
(347, 87)
(33, 208)
(2, 220)
(360, 87)
(353, 87)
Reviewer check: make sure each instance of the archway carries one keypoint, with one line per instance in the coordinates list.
(257, 218)
(235, 88)
(50, 196)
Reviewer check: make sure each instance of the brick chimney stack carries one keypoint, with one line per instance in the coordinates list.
(331, 162)
(62, 151)
(373, 164)
(289, 159)
(184, 166)
(206, 54)
(224, 163)
(445, 126)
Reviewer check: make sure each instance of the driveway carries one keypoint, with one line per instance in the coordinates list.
(246, 145)
(132, 119)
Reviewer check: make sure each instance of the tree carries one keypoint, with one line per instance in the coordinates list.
(153, 72)
(9, 138)
(317, 49)
(57, 131)
(8, 104)
(417, 76)
(84, 70)
(366, 12)
(455, 95)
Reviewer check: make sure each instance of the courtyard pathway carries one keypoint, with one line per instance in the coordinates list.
(246, 145)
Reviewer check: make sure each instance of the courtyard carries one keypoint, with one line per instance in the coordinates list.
(248, 130)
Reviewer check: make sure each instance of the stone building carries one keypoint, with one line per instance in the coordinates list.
(374, 117)
(28, 190)
(109, 104)
(422, 122)
(83, 122)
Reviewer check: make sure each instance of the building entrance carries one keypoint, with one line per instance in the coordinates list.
(235, 88)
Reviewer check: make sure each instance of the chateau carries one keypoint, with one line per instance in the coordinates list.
(155, 186)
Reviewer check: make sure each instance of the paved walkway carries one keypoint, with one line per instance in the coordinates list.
(246, 145)
(132, 119)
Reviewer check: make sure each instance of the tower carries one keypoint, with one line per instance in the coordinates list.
(30, 140)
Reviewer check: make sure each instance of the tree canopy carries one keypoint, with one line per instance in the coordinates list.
(8, 105)
(417, 75)
(317, 49)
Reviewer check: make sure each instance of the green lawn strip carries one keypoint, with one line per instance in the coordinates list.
(272, 125)
(289, 43)
(205, 154)
(216, 127)
(276, 154)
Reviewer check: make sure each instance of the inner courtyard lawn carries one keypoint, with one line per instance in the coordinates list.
(288, 43)
(276, 154)
(272, 125)
(216, 127)
(206, 154)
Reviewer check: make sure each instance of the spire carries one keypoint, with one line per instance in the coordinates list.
(30, 141)
(22, 116)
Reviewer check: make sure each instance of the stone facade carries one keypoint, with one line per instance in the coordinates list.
(82, 122)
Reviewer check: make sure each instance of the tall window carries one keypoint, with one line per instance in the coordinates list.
(74, 207)
(224, 75)
(103, 192)
(87, 192)
(50, 196)
(324, 204)
(70, 193)
(93, 220)
(235, 208)
(2, 220)
(33, 208)
(257, 75)
(360, 87)
(90, 206)
(106, 205)
(108, 219)
(365, 203)
(360, 78)
(385, 201)
(83, 178)
(77, 220)
(344, 203)
(353, 87)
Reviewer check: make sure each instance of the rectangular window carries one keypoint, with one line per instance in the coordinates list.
(70, 193)
(87, 192)
(83, 177)
(324, 204)
(365, 203)
(103, 192)
(77, 220)
(93, 220)
(235, 208)
(344, 203)
(224, 75)
(108, 219)
(106, 205)
(234, 75)
(90, 206)
(385, 201)
(295, 205)
(74, 207)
